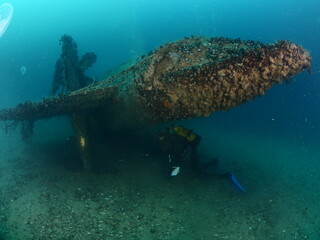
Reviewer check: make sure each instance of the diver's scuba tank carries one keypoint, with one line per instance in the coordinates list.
(187, 134)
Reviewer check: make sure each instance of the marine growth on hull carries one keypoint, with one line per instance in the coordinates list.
(188, 78)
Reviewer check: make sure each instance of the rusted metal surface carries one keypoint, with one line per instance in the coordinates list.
(184, 79)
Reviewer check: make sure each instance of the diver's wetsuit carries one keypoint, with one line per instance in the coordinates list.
(181, 146)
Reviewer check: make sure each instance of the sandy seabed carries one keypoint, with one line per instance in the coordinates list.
(43, 195)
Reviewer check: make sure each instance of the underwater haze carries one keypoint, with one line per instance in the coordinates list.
(271, 143)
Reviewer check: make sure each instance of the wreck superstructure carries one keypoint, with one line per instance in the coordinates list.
(188, 78)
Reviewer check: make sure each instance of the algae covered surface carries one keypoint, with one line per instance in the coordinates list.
(184, 79)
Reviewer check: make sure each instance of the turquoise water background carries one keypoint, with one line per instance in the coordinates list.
(122, 29)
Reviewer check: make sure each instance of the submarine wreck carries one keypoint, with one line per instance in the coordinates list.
(189, 78)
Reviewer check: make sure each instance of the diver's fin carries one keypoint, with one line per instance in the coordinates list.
(236, 183)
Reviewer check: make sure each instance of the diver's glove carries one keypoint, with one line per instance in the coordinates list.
(174, 170)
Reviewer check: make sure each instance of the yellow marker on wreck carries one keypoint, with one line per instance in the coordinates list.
(82, 141)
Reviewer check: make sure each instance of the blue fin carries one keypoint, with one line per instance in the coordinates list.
(236, 183)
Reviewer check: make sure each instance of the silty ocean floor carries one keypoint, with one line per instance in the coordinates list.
(44, 195)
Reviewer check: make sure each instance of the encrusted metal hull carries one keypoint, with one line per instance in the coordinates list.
(184, 79)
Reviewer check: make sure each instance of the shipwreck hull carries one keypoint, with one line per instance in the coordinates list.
(189, 78)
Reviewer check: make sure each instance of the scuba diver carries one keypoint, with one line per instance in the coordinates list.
(180, 146)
